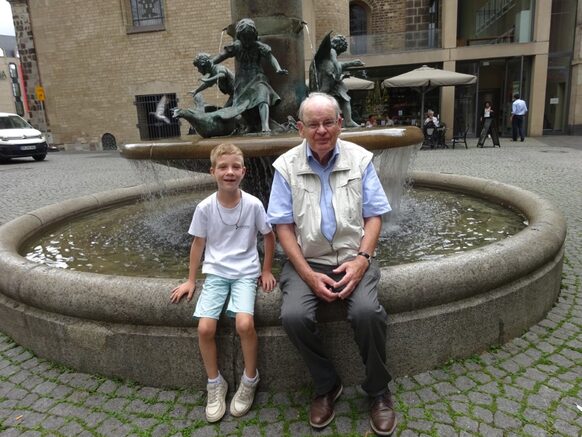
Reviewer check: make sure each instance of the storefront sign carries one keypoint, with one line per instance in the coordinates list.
(39, 91)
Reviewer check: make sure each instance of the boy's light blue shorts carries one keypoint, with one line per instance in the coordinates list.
(216, 290)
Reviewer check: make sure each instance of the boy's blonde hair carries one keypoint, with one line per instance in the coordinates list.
(224, 149)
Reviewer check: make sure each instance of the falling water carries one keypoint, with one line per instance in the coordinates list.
(313, 55)
(392, 167)
(219, 49)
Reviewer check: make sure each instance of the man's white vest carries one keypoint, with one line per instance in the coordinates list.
(346, 186)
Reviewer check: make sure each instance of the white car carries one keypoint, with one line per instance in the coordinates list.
(19, 139)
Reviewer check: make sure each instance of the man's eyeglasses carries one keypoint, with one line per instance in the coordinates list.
(327, 124)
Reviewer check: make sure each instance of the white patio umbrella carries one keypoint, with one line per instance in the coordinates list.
(357, 84)
(425, 79)
(354, 83)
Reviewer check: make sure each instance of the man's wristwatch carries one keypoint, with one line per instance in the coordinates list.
(367, 256)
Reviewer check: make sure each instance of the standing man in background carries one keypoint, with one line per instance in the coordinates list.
(518, 111)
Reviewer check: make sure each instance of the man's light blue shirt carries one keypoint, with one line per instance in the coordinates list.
(280, 210)
(518, 107)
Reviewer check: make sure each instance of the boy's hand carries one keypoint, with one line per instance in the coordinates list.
(267, 281)
(182, 289)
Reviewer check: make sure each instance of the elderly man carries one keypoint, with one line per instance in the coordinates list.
(326, 202)
(430, 118)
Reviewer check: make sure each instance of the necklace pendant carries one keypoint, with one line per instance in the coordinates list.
(236, 225)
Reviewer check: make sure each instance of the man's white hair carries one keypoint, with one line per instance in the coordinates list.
(313, 96)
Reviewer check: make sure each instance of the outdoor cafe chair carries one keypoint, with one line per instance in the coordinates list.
(461, 137)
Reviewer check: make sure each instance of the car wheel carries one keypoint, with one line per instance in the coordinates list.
(39, 157)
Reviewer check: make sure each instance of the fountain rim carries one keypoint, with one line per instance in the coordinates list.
(405, 287)
(268, 145)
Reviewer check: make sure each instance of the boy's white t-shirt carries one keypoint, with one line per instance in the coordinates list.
(231, 243)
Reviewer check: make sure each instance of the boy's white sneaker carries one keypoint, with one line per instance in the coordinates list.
(243, 399)
(216, 402)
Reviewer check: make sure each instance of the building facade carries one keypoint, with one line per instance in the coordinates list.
(105, 65)
(12, 91)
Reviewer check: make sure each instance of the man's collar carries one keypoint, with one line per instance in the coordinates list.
(311, 157)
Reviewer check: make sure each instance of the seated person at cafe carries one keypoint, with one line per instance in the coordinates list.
(430, 117)
(387, 121)
(371, 121)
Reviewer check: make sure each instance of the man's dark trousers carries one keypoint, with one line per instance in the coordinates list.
(517, 127)
(367, 317)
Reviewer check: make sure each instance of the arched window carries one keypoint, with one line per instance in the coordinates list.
(358, 28)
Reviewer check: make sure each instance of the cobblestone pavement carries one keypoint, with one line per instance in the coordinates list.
(527, 387)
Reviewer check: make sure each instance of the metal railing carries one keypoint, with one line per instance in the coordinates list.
(147, 13)
(395, 42)
(154, 116)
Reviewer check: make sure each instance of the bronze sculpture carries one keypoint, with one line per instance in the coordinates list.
(252, 94)
(326, 73)
(215, 75)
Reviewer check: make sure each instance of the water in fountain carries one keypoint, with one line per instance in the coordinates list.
(150, 239)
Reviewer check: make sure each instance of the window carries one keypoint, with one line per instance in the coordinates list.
(154, 117)
(494, 22)
(13, 69)
(145, 15)
(16, 89)
(358, 28)
(16, 92)
(19, 108)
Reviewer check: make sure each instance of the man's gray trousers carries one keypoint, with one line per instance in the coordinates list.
(367, 317)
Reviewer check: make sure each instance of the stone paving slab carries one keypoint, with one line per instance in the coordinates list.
(527, 387)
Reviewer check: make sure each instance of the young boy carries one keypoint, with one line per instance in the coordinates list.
(225, 227)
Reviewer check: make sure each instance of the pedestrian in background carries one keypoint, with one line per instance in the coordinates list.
(430, 118)
(372, 122)
(518, 111)
(489, 126)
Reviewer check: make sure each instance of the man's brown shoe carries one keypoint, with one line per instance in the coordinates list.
(382, 417)
(322, 412)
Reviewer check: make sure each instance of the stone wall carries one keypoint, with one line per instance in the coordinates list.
(6, 97)
(331, 15)
(89, 91)
(387, 25)
(575, 108)
(417, 23)
(397, 25)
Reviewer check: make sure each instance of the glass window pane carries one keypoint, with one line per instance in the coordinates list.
(19, 107)
(494, 21)
(13, 71)
(147, 13)
(358, 28)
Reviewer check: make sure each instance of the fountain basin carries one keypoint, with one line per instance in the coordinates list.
(125, 327)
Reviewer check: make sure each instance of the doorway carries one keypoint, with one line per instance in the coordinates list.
(498, 80)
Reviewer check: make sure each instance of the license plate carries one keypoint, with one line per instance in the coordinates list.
(27, 147)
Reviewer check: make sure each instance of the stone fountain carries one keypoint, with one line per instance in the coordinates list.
(125, 327)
